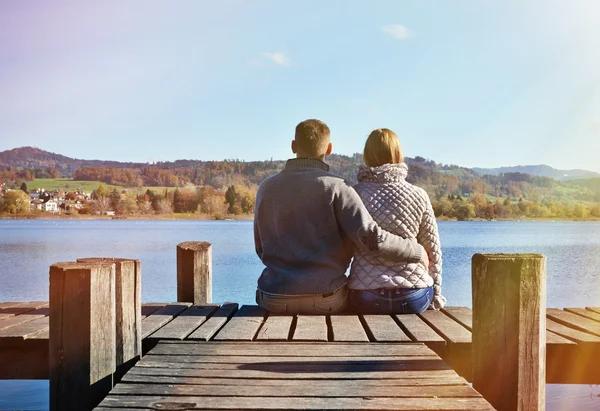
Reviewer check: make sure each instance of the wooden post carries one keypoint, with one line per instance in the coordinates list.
(194, 272)
(128, 307)
(509, 330)
(82, 334)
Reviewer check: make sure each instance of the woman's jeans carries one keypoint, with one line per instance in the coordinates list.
(330, 303)
(391, 301)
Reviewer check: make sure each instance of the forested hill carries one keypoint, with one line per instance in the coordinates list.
(438, 180)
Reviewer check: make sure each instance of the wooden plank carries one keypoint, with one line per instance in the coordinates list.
(595, 309)
(553, 339)
(579, 337)
(291, 349)
(383, 328)
(296, 403)
(347, 328)
(240, 359)
(462, 315)
(14, 309)
(28, 359)
(8, 304)
(264, 371)
(214, 323)
(151, 308)
(161, 317)
(274, 365)
(295, 391)
(243, 326)
(574, 321)
(452, 331)
(23, 318)
(185, 323)
(418, 330)
(276, 328)
(310, 328)
(584, 313)
(143, 376)
(25, 330)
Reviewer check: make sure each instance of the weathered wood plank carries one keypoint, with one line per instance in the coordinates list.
(296, 403)
(317, 391)
(23, 318)
(347, 328)
(584, 313)
(579, 337)
(291, 349)
(574, 321)
(182, 369)
(452, 331)
(214, 323)
(270, 365)
(25, 330)
(185, 323)
(310, 328)
(13, 309)
(243, 326)
(25, 360)
(240, 359)
(595, 309)
(143, 376)
(383, 328)
(276, 328)
(161, 317)
(151, 308)
(462, 315)
(418, 330)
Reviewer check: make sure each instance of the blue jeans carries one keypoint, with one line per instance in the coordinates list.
(391, 301)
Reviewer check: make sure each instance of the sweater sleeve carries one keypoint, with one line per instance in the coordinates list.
(356, 222)
(429, 238)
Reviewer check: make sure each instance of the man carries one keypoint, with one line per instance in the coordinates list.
(307, 222)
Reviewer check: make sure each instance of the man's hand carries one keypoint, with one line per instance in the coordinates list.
(425, 259)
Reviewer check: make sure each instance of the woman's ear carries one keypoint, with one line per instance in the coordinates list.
(329, 149)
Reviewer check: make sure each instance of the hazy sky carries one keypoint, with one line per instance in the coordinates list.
(474, 83)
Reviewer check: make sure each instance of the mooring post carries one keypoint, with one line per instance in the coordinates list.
(509, 330)
(194, 272)
(82, 334)
(128, 309)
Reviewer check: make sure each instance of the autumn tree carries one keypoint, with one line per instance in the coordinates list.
(24, 187)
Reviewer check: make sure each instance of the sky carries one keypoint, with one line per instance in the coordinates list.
(473, 83)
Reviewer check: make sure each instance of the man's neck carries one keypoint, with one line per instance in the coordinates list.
(321, 157)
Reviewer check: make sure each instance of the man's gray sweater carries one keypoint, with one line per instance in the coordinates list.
(307, 222)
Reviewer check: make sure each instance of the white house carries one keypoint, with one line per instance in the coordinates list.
(50, 206)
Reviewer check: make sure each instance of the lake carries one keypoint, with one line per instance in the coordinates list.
(29, 247)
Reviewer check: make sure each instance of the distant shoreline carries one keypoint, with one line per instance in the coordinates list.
(237, 217)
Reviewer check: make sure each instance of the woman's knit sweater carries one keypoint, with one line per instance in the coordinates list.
(405, 210)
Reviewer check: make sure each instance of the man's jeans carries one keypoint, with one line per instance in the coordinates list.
(391, 301)
(329, 303)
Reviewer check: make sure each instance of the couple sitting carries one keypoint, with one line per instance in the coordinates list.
(309, 224)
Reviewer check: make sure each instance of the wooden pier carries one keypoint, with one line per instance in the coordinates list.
(98, 344)
(572, 336)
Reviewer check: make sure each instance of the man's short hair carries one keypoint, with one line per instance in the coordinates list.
(312, 137)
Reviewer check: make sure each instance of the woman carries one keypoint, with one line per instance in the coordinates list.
(379, 286)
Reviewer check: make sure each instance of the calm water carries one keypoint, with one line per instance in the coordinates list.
(29, 247)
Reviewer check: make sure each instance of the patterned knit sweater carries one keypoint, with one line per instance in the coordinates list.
(405, 210)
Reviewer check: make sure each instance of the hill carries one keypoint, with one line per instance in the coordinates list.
(27, 163)
(541, 170)
(35, 158)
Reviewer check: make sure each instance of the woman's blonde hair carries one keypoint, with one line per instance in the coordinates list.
(382, 147)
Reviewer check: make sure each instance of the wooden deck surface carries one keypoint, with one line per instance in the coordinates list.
(573, 334)
(292, 376)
